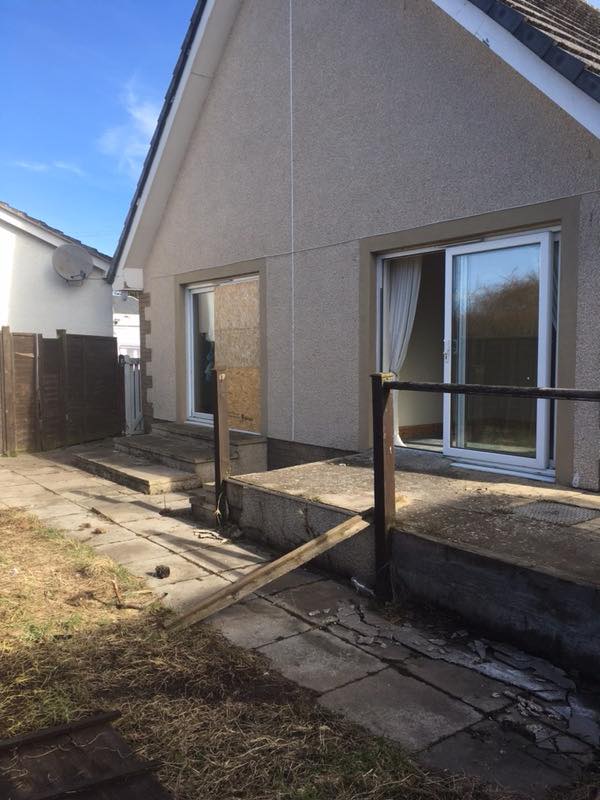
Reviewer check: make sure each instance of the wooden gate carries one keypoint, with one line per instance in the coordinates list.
(60, 391)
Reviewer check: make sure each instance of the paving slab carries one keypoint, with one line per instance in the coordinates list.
(293, 580)
(132, 552)
(122, 511)
(222, 556)
(180, 570)
(179, 539)
(47, 511)
(465, 684)
(320, 661)
(182, 596)
(496, 757)
(10, 478)
(323, 598)
(158, 524)
(256, 622)
(401, 708)
(387, 651)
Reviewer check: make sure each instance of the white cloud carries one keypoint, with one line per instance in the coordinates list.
(68, 166)
(128, 142)
(32, 166)
(46, 166)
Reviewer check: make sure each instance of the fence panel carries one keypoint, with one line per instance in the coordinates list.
(52, 394)
(58, 391)
(25, 383)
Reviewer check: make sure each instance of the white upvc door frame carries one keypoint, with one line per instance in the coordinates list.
(541, 460)
(192, 415)
(190, 291)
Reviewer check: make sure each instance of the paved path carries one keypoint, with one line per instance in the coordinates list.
(458, 702)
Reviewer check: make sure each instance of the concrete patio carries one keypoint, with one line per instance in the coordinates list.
(532, 549)
(456, 699)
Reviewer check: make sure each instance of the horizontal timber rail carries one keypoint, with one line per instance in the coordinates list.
(384, 488)
(533, 392)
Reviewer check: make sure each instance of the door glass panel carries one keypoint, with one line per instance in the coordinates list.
(203, 351)
(495, 310)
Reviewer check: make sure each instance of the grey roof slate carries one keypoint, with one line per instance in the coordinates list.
(44, 226)
(564, 33)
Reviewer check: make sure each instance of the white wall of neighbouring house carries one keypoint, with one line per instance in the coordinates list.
(34, 299)
(126, 324)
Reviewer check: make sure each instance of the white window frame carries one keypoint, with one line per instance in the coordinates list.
(542, 457)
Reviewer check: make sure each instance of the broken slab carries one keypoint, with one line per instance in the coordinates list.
(255, 622)
(467, 685)
(496, 757)
(401, 708)
(320, 661)
(316, 600)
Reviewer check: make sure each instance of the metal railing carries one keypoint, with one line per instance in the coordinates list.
(384, 482)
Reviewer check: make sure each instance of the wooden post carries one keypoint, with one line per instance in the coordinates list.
(221, 424)
(383, 479)
(8, 380)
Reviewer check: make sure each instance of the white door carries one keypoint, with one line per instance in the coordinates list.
(498, 322)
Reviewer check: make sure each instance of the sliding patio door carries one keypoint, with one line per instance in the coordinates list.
(498, 331)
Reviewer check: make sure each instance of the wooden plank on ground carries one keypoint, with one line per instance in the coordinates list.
(266, 573)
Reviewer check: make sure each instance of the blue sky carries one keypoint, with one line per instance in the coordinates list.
(86, 82)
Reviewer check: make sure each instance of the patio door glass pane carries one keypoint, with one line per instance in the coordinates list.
(495, 324)
(203, 350)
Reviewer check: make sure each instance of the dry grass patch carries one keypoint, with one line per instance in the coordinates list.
(221, 723)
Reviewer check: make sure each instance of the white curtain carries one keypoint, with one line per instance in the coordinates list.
(404, 281)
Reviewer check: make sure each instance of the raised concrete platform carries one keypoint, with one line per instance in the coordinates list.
(468, 541)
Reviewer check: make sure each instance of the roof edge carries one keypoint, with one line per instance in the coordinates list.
(546, 69)
(178, 71)
(37, 227)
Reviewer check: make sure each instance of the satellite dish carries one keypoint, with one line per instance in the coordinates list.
(72, 262)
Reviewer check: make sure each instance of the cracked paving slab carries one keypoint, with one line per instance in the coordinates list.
(256, 622)
(320, 661)
(401, 708)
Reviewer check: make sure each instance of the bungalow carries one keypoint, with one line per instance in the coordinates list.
(341, 187)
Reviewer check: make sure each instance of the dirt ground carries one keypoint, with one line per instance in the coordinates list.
(79, 635)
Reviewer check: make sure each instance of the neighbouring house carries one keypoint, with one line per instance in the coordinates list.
(336, 188)
(126, 321)
(34, 298)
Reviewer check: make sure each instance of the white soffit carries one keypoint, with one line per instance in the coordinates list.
(214, 28)
(544, 77)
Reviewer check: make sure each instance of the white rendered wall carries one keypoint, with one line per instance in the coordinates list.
(34, 299)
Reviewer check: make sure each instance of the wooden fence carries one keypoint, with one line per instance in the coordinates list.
(56, 392)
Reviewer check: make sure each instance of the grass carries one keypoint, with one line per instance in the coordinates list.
(219, 721)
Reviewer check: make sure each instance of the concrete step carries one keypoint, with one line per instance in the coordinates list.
(180, 453)
(134, 472)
